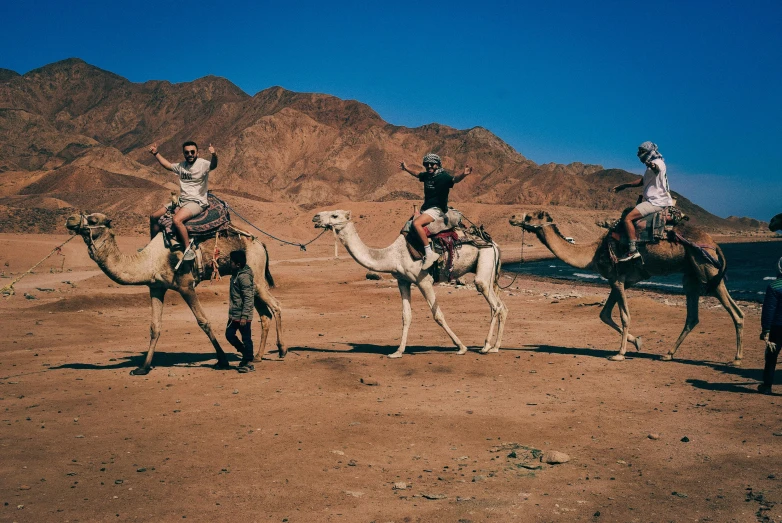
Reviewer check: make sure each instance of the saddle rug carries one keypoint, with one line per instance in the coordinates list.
(649, 229)
(205, 225)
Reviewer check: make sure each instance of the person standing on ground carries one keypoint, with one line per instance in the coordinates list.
(437, 185)
(656, 197)
(193, 187)
(241, 300)
(771, 325)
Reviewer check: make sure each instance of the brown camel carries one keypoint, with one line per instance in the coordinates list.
(665, 257)
(154, 267)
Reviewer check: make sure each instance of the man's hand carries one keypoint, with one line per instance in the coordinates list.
(243, 322)
(403, 166)
(764, 335)
(467, 170)
(153, 149)
(211, 149)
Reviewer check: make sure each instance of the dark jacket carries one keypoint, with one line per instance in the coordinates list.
(242, 295)
(772, 306)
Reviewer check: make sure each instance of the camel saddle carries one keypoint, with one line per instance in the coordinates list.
(201, 227)
(447, 236)
(649, 229)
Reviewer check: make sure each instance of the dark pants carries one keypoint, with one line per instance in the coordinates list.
(775, 336)
(245, 347)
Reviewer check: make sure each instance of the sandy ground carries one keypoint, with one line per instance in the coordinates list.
(327, 433)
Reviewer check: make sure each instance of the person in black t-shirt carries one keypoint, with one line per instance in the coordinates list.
(437, 185)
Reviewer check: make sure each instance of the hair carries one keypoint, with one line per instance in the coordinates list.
(190, 143)
(239, 258)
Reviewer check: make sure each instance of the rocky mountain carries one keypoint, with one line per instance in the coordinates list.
(76, 135)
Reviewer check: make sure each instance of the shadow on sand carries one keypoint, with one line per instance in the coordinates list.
(161, 359)
(383, 350)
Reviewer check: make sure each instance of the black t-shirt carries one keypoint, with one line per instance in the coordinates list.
(436, 189)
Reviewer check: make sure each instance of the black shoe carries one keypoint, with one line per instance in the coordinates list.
(246, 366)
(764, 389)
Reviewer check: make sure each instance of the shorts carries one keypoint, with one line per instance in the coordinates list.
(435, 212)
(194, 208)
(646, 208)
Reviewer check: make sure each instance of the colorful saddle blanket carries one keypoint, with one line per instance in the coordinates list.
(649, 229)
(215, 218)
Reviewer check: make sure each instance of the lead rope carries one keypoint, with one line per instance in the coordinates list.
(215, 255)
(302, 246)
(8, 290)
(516, 274)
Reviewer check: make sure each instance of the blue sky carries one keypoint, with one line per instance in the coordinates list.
(559, 81)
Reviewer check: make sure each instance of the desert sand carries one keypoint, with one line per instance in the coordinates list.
(338, 432)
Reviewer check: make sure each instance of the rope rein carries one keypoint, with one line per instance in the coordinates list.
(302, 246)
(8, 290)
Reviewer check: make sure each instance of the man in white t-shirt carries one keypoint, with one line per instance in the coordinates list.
(193, 179)
(656, 197)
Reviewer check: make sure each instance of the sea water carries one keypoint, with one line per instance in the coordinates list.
(750, 268)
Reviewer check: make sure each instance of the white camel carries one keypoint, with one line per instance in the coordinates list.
(396, 260)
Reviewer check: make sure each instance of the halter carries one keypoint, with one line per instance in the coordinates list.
(83, 225)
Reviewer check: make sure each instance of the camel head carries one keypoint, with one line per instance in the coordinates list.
(88, 226)
(532, 221)
(335, 220)
(776, 223)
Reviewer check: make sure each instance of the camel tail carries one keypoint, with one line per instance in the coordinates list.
(266, 273)
(723, 266)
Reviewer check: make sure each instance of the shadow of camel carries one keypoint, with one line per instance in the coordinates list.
(383, 350)
(741, 388)
(162, 359)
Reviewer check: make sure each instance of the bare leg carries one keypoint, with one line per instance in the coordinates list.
(192, 301)
(419, 223)
(407, 316)
(425, 286)
(605, 316)
(624, 313)
(181, 216)
(154, 227)
(156, 295)
(691, 289)
(721, 292)
(629, 227)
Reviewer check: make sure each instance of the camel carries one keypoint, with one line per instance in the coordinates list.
(776, 223)
(396, 260)
(154, 267)
(665, 257)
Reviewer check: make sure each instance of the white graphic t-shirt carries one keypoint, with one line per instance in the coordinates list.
(193, 181)
(656, 190)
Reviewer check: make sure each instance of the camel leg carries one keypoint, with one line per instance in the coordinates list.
(264, 314)
(503, 315)
(425, 286)
(721, 293)
(156, 296)
(691, 289)
(407, 317)
(263, 294)
(484, 282)
(191, 299)
(624, 313)
(605, 316)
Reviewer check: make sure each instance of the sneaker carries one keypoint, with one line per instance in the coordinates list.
(429, 260)
(188, 255)
(629, 256)
(246, 366)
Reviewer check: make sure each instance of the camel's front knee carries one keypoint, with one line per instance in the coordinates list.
(481, 286)
(154, 331)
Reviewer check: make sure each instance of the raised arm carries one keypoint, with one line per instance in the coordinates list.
(403, 166)
(159, 157)
(464, 174)
(213, 163)
(639, 182)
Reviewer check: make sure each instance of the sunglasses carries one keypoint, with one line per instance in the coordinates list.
(190, 153)
(427, 165)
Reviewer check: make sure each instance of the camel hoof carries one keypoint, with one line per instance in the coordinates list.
(666, 357)
(494, 350)
(396, 354)
(735, 363)
(141, 371)
(283, 351)
(462, 350)
(638, 344)
(617, 357)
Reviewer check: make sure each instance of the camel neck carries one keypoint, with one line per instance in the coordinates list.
(379, 260)
(123, 269)
(580, 256)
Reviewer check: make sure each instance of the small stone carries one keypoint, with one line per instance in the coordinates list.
(553, 457)
(80, 436)
(236, 391)
(653, 436)
(119, 481)
(338, 452)
(685, 439)
(400, 485)
(373, 276)
(370, 382)
(142, 469)
(478, 478)
(24, 487)
(354, 493)
(777, 433)
(433, 496)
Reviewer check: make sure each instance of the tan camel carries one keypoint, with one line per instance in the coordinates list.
(395, 259)
(154, 267)
(665, 257)
(776, 223)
